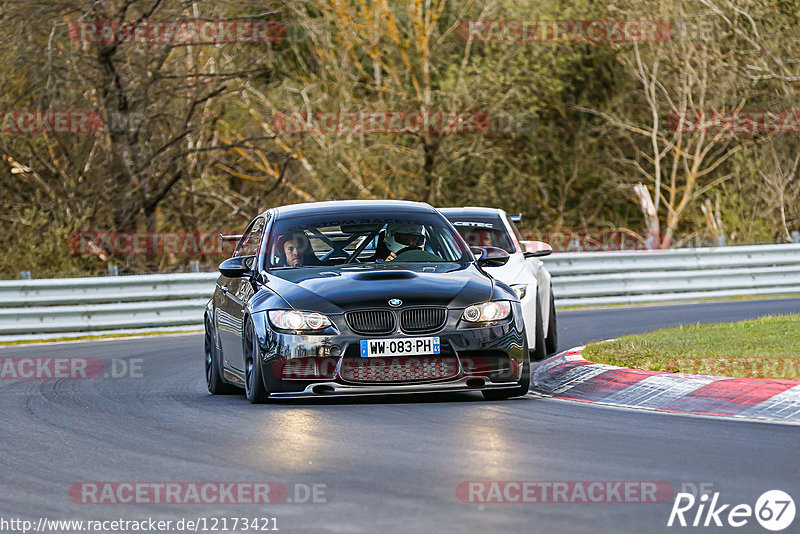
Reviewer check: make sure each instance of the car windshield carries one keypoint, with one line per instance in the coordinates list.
(335, 239)
(483, 232)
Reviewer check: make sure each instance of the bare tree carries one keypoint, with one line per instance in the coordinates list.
(677, 79)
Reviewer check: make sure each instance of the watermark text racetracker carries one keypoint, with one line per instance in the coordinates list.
(564, 491)
(736, 122)
(404, 122)
(380, 368)
(68, 368)
(204, 492)
(589, 240)
(565, 31)
(786, 367)
(190, 31)
(33, 122)
(376, 122)
(147, 244)
(76, 121)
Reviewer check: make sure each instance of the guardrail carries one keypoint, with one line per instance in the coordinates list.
(598, 278)
(40, 309)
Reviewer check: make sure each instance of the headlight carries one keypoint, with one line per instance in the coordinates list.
(520, 290)
(496, 310)
(296, 320)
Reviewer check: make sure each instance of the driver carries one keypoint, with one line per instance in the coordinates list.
(478, 238)
(403, 236)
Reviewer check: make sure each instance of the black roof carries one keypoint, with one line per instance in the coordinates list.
(343, 206)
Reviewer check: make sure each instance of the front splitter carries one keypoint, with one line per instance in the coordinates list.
(335, 389)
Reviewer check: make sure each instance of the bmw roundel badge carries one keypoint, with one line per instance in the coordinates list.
(394, 303)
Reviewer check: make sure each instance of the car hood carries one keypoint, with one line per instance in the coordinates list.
(338, 289)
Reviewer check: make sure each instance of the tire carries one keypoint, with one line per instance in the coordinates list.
(254, 387)
(522, 388)
(539, 352)
(214, 381)
(551, 341)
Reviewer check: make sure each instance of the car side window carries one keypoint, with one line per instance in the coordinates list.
(517, 235)
(251, 240)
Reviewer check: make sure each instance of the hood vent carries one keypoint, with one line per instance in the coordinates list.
(385, 275)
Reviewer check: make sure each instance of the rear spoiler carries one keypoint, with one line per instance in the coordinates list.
(229, 237)
(515, 218)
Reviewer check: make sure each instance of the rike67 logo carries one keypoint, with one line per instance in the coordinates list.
(774, 510)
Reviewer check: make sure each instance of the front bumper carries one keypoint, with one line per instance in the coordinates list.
(476, 358)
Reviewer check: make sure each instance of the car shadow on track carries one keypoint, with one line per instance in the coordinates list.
(407, 398)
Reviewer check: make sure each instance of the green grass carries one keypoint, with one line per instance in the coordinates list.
(768, 347)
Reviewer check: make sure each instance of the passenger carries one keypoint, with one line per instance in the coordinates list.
(295, 250)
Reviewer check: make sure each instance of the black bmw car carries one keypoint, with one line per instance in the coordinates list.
(359, 298)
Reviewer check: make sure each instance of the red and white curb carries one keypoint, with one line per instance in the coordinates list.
(569, 376)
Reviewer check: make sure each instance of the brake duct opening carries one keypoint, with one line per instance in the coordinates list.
(476, 383)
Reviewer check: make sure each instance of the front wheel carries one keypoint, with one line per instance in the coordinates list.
(551, 341)
(539, 352)
(254, 382)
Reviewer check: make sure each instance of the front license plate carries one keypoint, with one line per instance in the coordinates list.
(414, 346)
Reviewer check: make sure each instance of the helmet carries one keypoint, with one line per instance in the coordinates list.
(400, 236)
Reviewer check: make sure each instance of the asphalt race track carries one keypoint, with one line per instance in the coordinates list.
(388, 464)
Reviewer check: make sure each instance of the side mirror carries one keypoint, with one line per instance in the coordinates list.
(237, 267)
(536, 249)
(490, 256)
